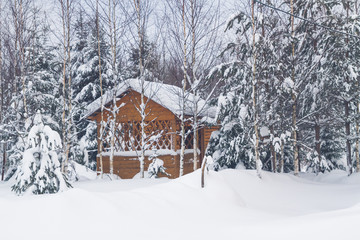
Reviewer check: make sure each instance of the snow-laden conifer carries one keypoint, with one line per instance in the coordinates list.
(39, 171)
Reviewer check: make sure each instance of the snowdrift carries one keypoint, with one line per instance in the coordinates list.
(235, 204)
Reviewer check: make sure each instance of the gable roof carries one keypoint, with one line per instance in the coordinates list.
(168, 96)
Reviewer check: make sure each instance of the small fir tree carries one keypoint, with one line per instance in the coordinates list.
(39, 172)
(156, 166)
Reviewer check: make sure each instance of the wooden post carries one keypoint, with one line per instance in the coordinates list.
(203, 172)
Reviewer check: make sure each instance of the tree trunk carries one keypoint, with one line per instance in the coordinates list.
(142, 86)
(203, 172)
(347, 133)
(4, 162)
(2, 96)
(281, 167)
(2, 90)
(358, 113)
(357, 138)
(71, 131)
(183, 134)
(294, 98)
(195, 88)
(254, 95)
(273, 153)
(101, 92)
(22, 56)
(16, 50)
(318, 144)
(64, 132)
(112, 28)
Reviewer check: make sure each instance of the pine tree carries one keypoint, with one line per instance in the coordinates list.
(341, 62)
(86, 87)
(42, 86)
(314, 88)
(39, 172)
(233, 144)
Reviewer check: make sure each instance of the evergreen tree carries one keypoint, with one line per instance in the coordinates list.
(86, 87)
(149, 58)
(39, 171)
(233, 144)
(314, 89)
(343, 61)
(42, 86)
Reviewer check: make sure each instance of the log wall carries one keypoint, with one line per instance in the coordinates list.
(127, 167)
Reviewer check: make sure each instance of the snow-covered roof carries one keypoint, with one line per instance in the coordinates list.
(168, 96)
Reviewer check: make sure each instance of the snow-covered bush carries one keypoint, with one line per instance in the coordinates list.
(156, 167)
(39, 171)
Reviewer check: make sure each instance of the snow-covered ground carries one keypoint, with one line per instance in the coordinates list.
(234, 205)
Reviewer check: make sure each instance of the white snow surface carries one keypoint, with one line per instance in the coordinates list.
(235, 204)
(168, 96)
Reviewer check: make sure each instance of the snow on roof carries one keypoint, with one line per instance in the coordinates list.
(169, 96)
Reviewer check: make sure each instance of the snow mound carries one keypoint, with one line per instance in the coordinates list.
(235, 204)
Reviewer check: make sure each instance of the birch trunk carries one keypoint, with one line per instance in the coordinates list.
(357, 138)
(347, 133)
(182, 117)
(195, 88)
(357, 112)
(66, 129)
(65, 160)
(254, 96)
(2, 95)
(112, 28)
(273, 153)
(16, 50)
(101, 92)
(142, 86)
(281, 167)
(347, 113)
(318, 143)
(22, 55)
(71, 131)
(294, 98)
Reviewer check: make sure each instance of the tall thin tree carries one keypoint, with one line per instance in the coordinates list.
(293, 93)
(254, 93)
(101, 91)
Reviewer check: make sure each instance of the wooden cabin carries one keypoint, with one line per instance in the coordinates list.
(162, 120)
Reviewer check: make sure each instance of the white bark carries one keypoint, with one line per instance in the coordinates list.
(112, 28)
(64, 134)
(254, 96)
(101, 92)
(294, 98)
(142, 106)
(183, 97)
(195, 89)
(22, 54)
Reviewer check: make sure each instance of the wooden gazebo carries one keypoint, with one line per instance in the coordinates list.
(162, 121)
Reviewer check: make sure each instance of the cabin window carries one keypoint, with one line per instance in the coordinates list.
(189, 140)
(128, 135)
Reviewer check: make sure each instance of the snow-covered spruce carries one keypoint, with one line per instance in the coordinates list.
(156, 167)
(39, 172)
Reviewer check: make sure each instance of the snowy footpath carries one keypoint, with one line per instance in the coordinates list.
(234, 205)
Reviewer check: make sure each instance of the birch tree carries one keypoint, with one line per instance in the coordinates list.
(2, 91)
(116, 32)
(193, 44)
(254, 94)
(294, 97)
(101, 90)
(142, 11)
